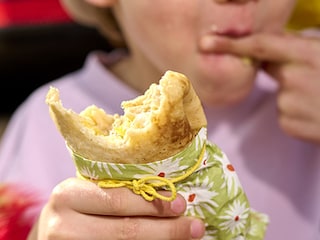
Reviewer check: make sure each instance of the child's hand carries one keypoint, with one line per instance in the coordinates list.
(292, 60)
(79, 209)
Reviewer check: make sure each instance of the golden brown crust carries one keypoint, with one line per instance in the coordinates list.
(154, 126)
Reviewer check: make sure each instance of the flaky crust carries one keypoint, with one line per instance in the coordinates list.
(154, 126)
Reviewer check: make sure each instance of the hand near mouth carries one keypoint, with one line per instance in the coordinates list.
(293, 60)
(262, 46)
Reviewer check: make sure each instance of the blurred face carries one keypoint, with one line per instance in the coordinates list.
(165, 35)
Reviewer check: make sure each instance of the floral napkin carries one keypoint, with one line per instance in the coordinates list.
(202, 174)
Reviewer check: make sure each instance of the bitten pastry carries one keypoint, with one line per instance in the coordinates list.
(169, 115)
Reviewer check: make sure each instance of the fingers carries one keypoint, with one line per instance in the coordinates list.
(298, 101)
(298, 115)
(79, 209)
(264, 47)
(146, 228)
(97, 227)
(91, 199)
(300, 128)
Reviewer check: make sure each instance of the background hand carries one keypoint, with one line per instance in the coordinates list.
(293, 60)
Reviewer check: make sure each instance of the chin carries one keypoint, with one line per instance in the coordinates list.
(224, 86)
(225, 66)
(224, 98)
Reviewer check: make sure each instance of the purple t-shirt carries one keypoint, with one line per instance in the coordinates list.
(280, 174)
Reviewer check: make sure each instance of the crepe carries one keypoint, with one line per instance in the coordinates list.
(154, 126)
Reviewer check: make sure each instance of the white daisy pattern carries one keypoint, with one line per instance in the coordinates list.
(89, 173)
(210, 234)
(239, 238)
(255, 228)
(232, 181)
(236, 217)
(199, 197)
(200, 139)
(206, 162)
(165, 169)
(111, 168)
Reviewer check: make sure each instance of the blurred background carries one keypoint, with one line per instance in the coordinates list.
(38, 43)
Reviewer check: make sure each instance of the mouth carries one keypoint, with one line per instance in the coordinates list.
(229, 32)
(215, 36)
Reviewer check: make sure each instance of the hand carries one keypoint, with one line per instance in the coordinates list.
(79, 209)
(294, 61)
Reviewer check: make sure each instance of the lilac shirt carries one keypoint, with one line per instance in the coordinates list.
(280, 175)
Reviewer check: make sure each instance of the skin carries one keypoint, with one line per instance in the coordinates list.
(208, 41)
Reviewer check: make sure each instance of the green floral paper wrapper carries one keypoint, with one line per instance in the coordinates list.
(202, 174)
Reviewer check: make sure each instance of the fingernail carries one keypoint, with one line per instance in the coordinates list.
(213, 29)
(197, 229)
(178, 205)
(247, 61)
(207, 43)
